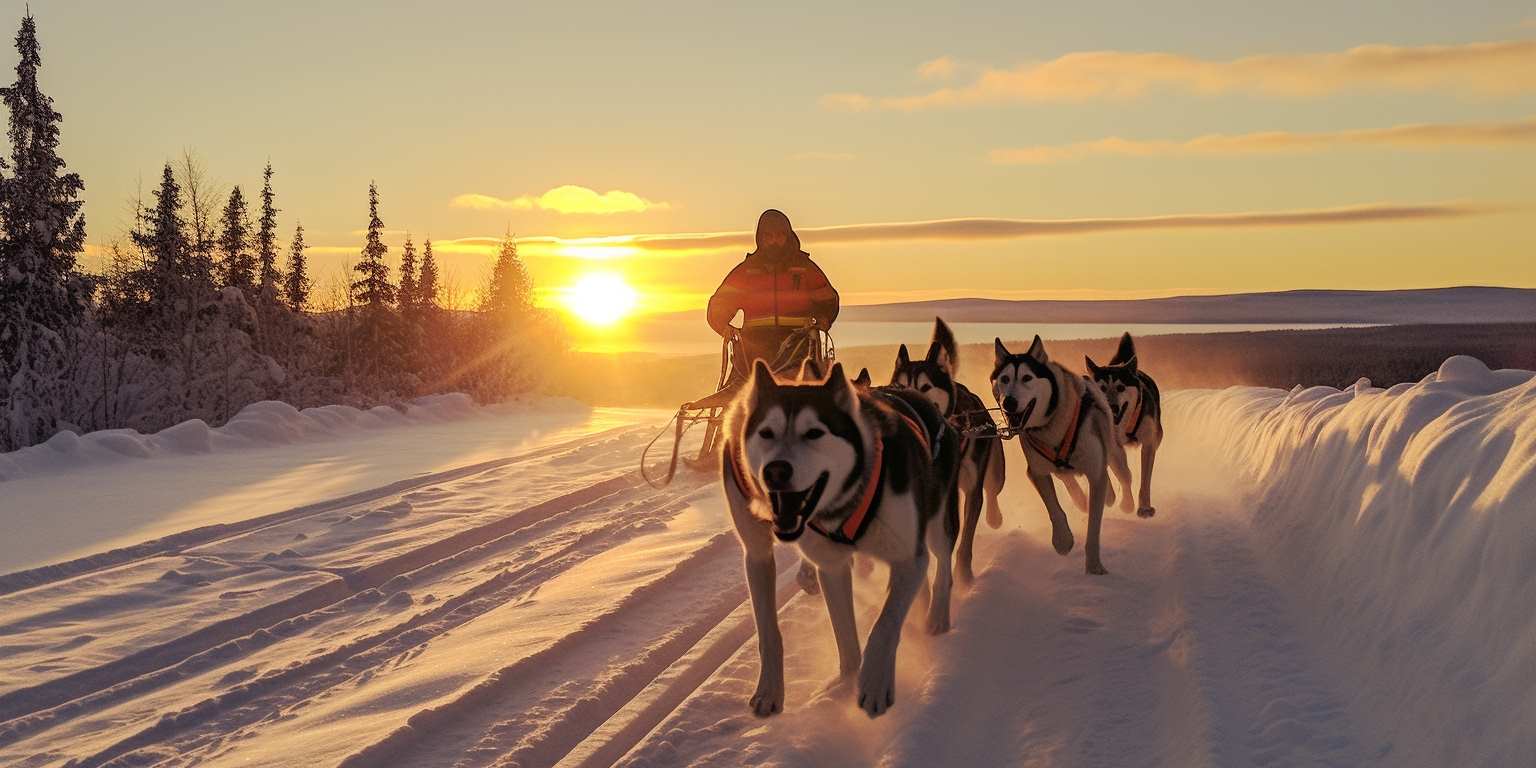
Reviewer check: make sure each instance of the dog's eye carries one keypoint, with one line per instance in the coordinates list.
(1103, 388)
(1120, 388)
(1004, 379)
(815, 433)
(925, 388)
(765, 433)
(1025, 377)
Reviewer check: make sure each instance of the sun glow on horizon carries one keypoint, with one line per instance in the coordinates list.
(600, 299)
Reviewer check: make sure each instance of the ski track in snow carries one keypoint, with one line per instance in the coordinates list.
(549, 609)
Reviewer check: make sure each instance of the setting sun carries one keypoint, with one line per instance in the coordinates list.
(600, 298)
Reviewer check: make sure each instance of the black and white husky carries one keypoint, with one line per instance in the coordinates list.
(1138, 410)
(1065, 429)
(838, 471)
(982, 466)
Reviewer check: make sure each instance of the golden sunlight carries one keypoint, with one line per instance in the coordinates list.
(600, 298)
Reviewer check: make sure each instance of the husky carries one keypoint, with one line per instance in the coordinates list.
(1065, 429)
(839, 471)
(982, 467)
(1137, 407)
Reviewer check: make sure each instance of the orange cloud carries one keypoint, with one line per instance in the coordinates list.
(569, 198)
(1500, 67)
(1003, 229)
(1413, 136)
(846, 102)
(942, 68)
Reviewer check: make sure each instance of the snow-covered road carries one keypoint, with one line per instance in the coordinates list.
(541, 606)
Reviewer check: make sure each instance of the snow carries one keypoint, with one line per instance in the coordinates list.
(1335, 577)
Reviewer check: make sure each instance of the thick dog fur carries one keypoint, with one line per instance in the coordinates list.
(815, 441)
(1137, 407)
(1041, 397)
(982, 467)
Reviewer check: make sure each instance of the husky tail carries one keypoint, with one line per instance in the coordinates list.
(1125, 351)
(943, 350)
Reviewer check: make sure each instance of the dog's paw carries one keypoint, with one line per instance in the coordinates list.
(768, 700)
(1061, 539)
(807, 579)
(1146, 512)
(877, 688)
(1097, 569)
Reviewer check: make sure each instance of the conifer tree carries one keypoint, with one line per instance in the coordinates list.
(266, 234)
(373, 289)
(42, 230)
(426, 281)
(509, 293)
(234, 241)
(163, 238)
(296, 283)
(407, 294)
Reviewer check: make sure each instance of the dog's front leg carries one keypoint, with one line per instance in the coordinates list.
(769, 697)
(1148, 457)
(1061, 533)
(1098, 487)
(837, 590)
(877, 676)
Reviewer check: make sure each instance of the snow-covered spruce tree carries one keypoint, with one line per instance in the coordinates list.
(266, 234)
(426, 281)
(503, 334)
(372, 290)
(407, 293)
(296, 284)
(239, 264)
(43, 298)
(376, 357)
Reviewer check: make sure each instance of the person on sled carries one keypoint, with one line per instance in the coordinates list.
(780, 293)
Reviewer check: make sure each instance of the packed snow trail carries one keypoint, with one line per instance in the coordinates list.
(546, 608)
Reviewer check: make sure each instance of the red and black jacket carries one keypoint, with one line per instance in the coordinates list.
(779, 291)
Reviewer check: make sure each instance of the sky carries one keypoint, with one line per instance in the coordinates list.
(1110, 148)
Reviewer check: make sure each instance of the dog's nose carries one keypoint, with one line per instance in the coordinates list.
(1010, 404)
(777, 475)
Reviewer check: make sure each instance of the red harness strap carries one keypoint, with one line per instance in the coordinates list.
(1061, 454)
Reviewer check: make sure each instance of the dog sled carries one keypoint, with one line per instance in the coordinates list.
(810, 343)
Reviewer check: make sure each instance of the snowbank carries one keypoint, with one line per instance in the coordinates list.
(1406, 520)
(262, 424)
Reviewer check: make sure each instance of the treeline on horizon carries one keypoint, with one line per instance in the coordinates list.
(194, 316)
(1337, 357)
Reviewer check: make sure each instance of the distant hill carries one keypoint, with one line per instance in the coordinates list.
(1467, 304)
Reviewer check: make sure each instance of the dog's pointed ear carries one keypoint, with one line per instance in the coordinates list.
(762, 377)
(1093, 370)
(1130, 365)
(841, 388)
(902, 357)
(1037, 350)
(810, 371)
(999, 352)
(864, 378)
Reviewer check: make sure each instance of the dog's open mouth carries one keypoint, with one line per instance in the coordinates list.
(1120, 411)
(1016, 421)
(793, 509)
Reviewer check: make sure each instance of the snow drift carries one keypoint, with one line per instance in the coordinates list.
(1405, 518)
(264, 423)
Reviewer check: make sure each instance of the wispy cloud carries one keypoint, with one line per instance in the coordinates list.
(569, 198)
(1002, 229)
(1499, 67)
(942, 68)
(823, 156)
(846, 102)
(1412, 136)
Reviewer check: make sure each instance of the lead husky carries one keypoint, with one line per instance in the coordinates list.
(982, 467)
(866, 472)
(1065, 428)
(1138, 410)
